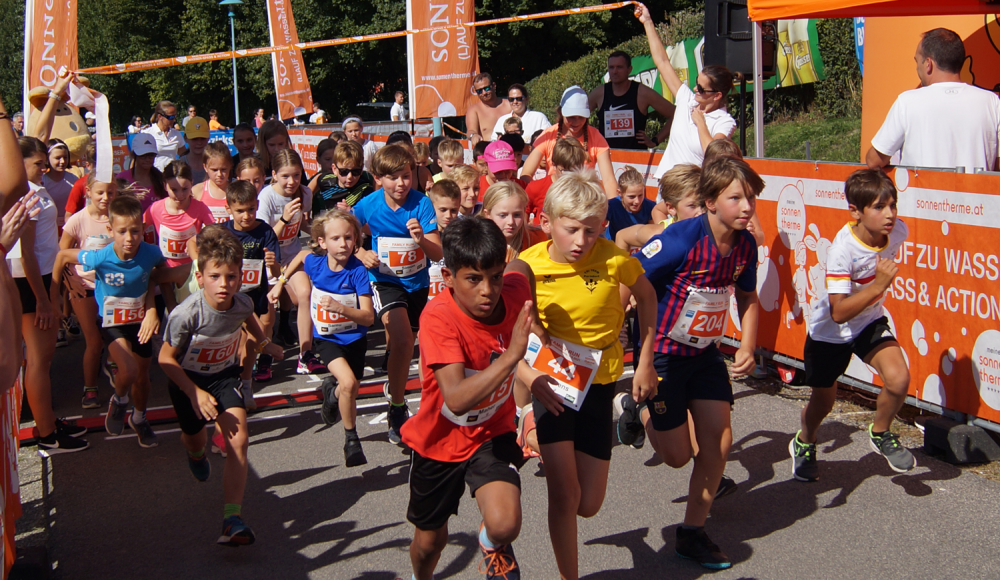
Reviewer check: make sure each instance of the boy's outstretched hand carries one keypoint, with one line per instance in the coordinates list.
(522, 329)
(416, 230)
(743, 363)
(274, 350)
(885, 272)
(644, 382)
(204, 405)
(368, 257)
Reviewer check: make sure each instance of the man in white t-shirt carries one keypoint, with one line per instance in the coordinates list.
(946, 122)
(531, 121)
(169, 141)
(398, 112)
(318, 116)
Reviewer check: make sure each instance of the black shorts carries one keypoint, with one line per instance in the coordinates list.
(826, 361)
(261, 305)
(590, 429)
(28, 302)
(436, 486)
(354, 353)
(224, 386)
(684, 379)
(386, 296)
(129, 332)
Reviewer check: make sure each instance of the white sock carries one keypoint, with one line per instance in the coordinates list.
(138, 416)
(122, 400)
(247, 383)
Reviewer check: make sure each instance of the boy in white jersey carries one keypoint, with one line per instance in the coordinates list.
(850, 320)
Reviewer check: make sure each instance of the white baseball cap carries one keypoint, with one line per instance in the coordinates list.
(574, 103)
(143, 144)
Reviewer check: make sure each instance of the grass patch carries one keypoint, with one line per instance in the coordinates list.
(830, 139)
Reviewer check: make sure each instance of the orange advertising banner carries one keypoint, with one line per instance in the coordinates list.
(890, 44)
(291, 85)
(441, 63)
(49, 42)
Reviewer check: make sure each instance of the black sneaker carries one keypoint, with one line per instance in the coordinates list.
(695, 545)
(629, 426)
(330, 411)
(235, 533)
(201, 468)
(353, 454)
(804, 467)
(58, 442)
(114, 421)
(70, 429)
(726, 487)
(887, 445)
(397, 416)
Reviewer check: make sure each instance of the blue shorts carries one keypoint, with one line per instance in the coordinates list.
(684, 379)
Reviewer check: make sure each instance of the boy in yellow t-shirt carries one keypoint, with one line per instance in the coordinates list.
(577, 276)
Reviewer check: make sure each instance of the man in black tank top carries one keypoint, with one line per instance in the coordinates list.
(622, 107)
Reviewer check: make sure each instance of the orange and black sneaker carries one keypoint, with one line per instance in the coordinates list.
(498, 561)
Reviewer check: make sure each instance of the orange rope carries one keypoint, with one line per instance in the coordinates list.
(225, 55)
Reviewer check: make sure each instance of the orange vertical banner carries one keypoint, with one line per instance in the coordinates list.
(49, 42)
(441, 63)
(291, 85)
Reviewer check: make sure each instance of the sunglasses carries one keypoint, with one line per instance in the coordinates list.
(515, 99)
(702, 90)
(485, 89)
(169, 117)
(356, 172)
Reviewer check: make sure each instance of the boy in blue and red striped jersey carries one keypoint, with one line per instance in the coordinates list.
(692, 266)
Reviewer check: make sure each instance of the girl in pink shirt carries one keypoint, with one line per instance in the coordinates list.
(175, 220)
(212, 192)
(88, 229)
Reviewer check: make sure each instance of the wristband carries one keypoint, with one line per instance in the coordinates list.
(284, 221)
(263, 344)
(282, 279)
(53, 95)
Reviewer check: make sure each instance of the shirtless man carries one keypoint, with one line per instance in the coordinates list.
(482, 116)
(629, 101)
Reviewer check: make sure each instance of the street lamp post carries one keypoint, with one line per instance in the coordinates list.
(232, 32)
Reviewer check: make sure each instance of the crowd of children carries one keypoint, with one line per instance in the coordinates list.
(518, 289)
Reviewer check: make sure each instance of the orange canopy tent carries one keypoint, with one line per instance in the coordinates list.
(775, 9)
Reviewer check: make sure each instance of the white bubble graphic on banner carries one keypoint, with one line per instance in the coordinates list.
(944, 228)
(933, 391)
(947, 365)
(447, 109)
(917, 334)
(768, 285)
(791, 215)
(902, 178)
(986, 367)
(937, 337)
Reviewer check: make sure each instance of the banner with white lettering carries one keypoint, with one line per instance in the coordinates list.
(441, 63)
(49, 43)
(291, 85)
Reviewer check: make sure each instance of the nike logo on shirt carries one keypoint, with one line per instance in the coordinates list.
(615, 108)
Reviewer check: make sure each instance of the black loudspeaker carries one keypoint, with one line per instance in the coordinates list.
(729, 38)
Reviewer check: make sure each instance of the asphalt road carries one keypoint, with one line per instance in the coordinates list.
(117, 510)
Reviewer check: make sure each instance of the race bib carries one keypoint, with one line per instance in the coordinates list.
(326, 322)
(572, 366)
(619, 124)
(219, 213)
(703, 319)
(487, 408)
(94, 243)
(208, 355)
(400, 257)
(173, 244)
(119, 310)
(437, 281)
(291, 229)
(253, 274)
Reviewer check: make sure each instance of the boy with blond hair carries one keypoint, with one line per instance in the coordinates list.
(467, 180)
(451, 154)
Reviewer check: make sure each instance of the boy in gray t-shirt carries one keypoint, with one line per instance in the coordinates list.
(201, 356)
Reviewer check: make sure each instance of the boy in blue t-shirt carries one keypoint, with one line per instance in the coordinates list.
(260, 251)
(631, 207)
(404, 235)
(128, 319)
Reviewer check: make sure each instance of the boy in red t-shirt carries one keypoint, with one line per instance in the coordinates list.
(472, 337)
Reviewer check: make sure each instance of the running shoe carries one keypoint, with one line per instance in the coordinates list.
(397, 416)
(249, 403)
(201, 467)
(90, 398)
(330, 411)
(887, 444)
(804, 465)
(309, 364)
(726, 487)
(111, 371)
(144, 433)
(695, 545)
(61, 339)
(525, 425)
(73, 325)
(498, 562)
(235, 533)
(114, 422)
(219, 444)
(262, 370)
(58, 442)
(629, 427)
(70, 429)
(354, 455)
